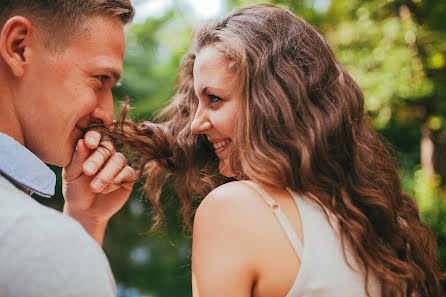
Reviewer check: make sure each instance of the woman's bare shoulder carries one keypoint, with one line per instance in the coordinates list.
(233, 198)
(224, 242)
(234, 209)
(231, 190)
(236, 234)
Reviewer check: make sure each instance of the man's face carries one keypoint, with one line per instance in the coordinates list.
(63, 92)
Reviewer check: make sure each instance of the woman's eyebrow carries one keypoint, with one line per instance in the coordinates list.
(205, 90)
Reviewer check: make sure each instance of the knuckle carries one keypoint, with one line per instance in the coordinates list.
(103, 152)
(107, 144)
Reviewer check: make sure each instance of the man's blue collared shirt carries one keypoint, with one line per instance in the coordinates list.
(24, 168)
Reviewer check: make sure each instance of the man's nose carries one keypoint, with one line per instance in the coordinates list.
(104, 108)
(201, 122)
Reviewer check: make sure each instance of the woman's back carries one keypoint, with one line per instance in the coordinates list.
(250, 252)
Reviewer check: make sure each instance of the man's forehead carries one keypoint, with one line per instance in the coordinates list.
(101, 33)
(103, 45)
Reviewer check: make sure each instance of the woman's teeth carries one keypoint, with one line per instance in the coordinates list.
(220, 144)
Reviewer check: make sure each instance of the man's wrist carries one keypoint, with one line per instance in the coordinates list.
(94, 226)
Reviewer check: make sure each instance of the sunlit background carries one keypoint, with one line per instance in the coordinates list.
(201, 8)
(394, 49)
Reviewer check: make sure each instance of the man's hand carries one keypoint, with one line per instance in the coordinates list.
(96, 184)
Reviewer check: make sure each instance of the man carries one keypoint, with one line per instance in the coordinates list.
(58, 62)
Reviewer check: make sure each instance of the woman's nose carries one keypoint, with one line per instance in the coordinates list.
(201, 122)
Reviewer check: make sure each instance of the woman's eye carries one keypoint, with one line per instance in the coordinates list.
(213, 98)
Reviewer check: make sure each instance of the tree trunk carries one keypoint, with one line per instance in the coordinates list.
(427, 151)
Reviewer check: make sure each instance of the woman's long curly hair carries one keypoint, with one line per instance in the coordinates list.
(301, 125)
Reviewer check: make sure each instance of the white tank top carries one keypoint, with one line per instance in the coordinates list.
(324, 271)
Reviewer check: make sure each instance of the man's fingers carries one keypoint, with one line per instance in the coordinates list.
(92, 139)
(74, 169)
(99, 157)
(109, 189)
(107, 175)
(126, 178)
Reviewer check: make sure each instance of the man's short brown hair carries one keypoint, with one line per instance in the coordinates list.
(60, 20)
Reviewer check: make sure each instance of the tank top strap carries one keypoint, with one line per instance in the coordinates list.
(283, 220)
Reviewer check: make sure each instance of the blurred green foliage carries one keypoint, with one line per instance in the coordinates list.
(153, 53)
(394, 49)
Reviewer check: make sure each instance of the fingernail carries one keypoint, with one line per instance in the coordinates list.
(91, 139)
(90, 167)
(98, 185)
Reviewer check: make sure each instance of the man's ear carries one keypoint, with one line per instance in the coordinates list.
(14, 42)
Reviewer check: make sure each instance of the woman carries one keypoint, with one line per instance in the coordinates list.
(315, 206)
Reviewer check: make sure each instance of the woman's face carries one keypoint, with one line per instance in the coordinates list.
(217, 89)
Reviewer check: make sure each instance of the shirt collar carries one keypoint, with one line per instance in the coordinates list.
(24, 168)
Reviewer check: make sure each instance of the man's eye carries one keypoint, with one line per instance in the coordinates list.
(213, 98)
(102, 78)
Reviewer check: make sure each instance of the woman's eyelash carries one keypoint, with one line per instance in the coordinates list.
(213, 98)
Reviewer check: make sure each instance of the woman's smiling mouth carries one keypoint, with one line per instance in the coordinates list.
(221, 146)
